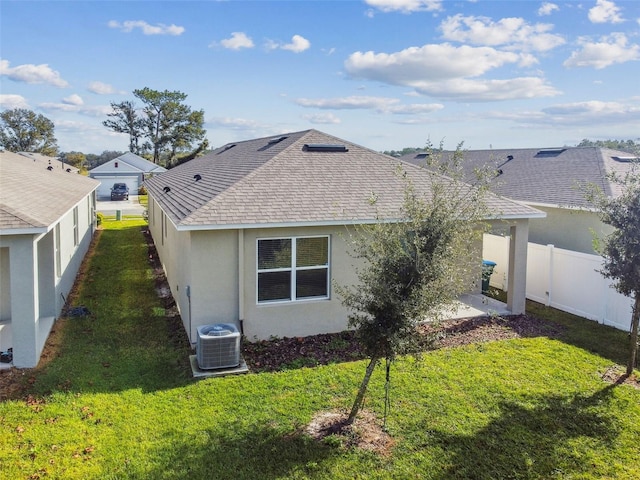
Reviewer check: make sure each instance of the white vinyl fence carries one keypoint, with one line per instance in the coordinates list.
(563, 279)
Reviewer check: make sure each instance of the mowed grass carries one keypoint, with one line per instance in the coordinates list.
(118, 402)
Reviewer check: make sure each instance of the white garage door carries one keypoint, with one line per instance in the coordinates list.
(106, 183)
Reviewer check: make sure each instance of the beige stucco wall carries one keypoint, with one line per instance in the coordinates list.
(35, 283)
(565, 228)
(5, 285)
(213, 278)
(305, 317)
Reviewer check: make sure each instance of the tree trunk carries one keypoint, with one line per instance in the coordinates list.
(357, 405)
(633, 346)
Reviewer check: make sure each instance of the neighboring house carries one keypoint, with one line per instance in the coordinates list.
(128, 168)
(551, 180)
(46, 225)
(254, 233)
(53, 162)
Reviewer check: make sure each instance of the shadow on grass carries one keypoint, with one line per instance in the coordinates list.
(605, 341)
(241, 452)
(540, 442)
(128, 339)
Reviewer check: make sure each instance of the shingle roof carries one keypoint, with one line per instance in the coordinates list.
(277, 181)
(33, 197)
(45, 161)
(545, 176)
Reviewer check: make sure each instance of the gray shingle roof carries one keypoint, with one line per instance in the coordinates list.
(32, 197)
(46, 161)
(545, 178)
(262, 182)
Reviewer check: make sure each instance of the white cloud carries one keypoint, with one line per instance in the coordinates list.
(427, 63)
(237, 41)
(461, 89)
(406, 6)
(74, 99)
(547, 8)
(101, 88)
(379, 104)
(29, 73)
(585, 113)
(9, 102)
(510, 32)
(605, 11)
(87, 110)
(608, 51)
(571, 115)
(298, 44)
(322, 118)
(146, 28)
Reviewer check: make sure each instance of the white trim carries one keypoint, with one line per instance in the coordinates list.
(294, 269)
(326, 223)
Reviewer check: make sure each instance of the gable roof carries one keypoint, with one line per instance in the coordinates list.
(296, 179)
(544, 176)
(33, 198)
(131, 163)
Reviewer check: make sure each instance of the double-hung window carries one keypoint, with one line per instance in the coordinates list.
(292, 269)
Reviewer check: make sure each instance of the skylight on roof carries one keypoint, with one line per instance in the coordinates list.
(226, 147)
(324, 147)
(618, 158)
(277, 140)
(550, 152)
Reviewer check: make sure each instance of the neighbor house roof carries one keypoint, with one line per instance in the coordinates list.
(301, 178)
(128, 162)
(45, 160)
(544, 176)
(33, 197)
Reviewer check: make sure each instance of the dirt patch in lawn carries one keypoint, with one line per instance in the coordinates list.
(365, 432)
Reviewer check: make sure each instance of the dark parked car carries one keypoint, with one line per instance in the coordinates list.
(120, 191)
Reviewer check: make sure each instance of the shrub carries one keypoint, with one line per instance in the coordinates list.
(142, 190)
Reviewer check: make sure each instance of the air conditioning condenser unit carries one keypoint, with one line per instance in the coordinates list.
(218, 346)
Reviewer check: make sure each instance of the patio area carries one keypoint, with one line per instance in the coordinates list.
(479, 305)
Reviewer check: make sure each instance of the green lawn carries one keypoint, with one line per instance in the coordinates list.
(118, 401)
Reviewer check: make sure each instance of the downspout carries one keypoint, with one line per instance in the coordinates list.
(241, 279)
(190, 328)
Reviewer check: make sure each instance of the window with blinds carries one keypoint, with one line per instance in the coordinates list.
(292, 269)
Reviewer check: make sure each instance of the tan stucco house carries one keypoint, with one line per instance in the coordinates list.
(46, 224)
(551, 180)
(253, 233)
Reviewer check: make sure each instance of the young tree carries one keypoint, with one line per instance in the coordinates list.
(416, 267)
(621, 248)
(21, 130)
(167, 126)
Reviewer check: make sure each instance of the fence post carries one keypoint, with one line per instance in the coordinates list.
(550, 256)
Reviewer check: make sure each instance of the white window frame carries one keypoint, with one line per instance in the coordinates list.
(294, 269)
(76, 233)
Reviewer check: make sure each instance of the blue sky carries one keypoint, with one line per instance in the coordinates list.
(385, 74)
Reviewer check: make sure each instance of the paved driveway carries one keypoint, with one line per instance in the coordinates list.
(127, 207)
